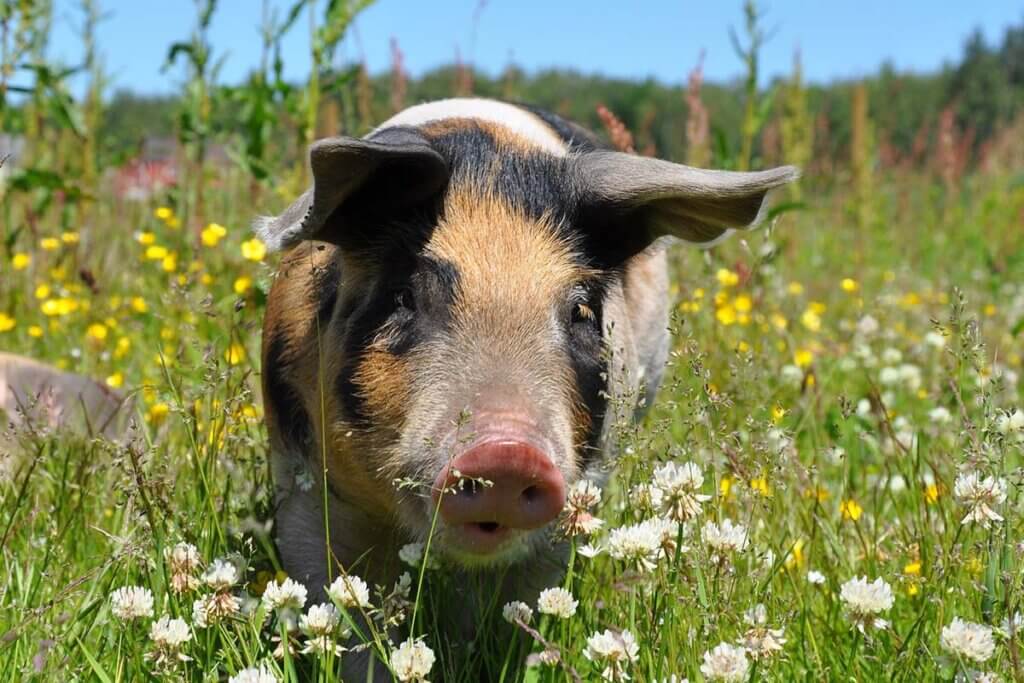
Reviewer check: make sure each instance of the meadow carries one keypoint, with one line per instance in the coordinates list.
(827, 486)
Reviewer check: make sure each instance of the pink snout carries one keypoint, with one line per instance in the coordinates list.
(525, 491)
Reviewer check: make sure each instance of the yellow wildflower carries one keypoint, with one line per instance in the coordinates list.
(242, 284)
(21, 261)
(164, 213)
(156, 252)
(803, 357)
(931, 493)
(990, 310)
(913, 568)
(851, 509)
(49, 243)
(69, 238)
(139, 304)
(795, 288)
(698, 293)
(157, 413)
(849, 285)
(212, 234)
(116, 380)
(7, 323)
(779, 321)
(726, 315)
(170, 262)
(122, 347)
(727, 278)
(778, 412)
(235, 353)
(254, 249)
(42, 291)
(742, 303)
(725, 487)
(761, 487)
(811, 320)
(796, 557)
(97, 332)
(35, 331)
(146, 238)
(743, 347)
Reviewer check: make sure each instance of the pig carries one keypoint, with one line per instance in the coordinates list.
(474, 291)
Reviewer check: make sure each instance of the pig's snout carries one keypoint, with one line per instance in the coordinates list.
(495, 487)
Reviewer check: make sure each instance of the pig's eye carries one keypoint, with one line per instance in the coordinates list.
(403, 300)
(582, 313)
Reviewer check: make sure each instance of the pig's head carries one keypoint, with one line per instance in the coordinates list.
(465, 317)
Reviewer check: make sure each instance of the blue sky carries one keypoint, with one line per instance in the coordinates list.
(624, 38)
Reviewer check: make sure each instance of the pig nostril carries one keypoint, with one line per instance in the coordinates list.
(489, 527)
(531, 493)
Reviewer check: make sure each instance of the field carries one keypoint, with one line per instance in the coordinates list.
(843, 400)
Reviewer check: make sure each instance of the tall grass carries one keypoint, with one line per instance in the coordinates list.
(835, 379)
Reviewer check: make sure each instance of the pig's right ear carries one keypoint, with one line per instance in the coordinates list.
(398, 161)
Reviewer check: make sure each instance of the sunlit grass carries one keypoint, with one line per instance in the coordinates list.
(835, 387)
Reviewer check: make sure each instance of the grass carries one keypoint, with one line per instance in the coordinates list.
(816, 429)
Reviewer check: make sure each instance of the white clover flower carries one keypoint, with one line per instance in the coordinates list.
(254, 675)
(680, 486)
(517, 610)
(935, 340)
(320, 619)
(583, 496)
(589, 550)
(940, 415)
(221, 575)
(726, 537)
(1011, 424)
(889, 376)
(412, 660)
(760, 641)
(168, 632)
(287, 595)
(646, 497)
(867, 326)
(792, 375)
(638, 544)
(864, 600)
(411, 554)
(183, 560)
(319, 624)
(726, 663)
(815, 577)
(979, 495)
(969, 640)
(131, 602)
(778, 440)
(910, 376)
(168, 635)
(1012, 625)
(212, 608)
(350, 592)
(615, 651)
(892, 356)
(557, 602)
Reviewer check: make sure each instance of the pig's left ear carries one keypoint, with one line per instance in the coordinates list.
(693, 204)
(394, 166)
